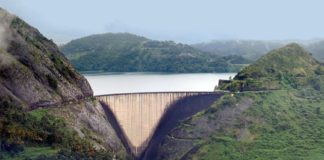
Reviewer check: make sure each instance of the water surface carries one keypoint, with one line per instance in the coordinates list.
(109, 83)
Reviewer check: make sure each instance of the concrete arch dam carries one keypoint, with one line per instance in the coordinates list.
(142, 119)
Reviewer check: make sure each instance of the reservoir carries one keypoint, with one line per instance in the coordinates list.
(110, 83)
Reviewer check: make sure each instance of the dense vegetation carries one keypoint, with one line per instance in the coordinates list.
(123, 52)
(38, 134)
(279, 125)
(285, 122)
(288, 66)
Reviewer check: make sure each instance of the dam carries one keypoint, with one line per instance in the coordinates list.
(138, 116)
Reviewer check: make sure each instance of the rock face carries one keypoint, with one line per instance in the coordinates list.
(88, 118)
(33, 72)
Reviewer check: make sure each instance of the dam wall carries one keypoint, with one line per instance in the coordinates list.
(138, 114)
(178, 111)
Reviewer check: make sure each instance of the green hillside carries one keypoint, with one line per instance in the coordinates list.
(282, 123)
(123, 52)
(290, 66)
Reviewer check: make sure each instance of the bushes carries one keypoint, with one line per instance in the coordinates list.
(19, 128)
(229, 101)
(61, 67)
(67, 154)
(315, 82)
(234, 86)
(320, 70)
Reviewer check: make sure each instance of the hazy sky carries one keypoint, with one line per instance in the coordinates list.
(186, 21)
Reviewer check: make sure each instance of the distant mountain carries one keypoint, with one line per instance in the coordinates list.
(280, 116)
(246, 48)
(124, 52)
(253, 49)
(317, 49)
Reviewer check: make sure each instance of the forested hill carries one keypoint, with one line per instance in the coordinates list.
(282, 121)
(290, 66)
(254, 49)
(124, 52)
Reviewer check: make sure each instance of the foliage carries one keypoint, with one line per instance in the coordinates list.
(290, 66)
(20, 130)
(320, 70)
(64, 69)
(125, 52)
(30, 153)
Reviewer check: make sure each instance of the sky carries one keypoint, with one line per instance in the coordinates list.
(186, 21)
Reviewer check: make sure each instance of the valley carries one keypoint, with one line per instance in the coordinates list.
(122, 96)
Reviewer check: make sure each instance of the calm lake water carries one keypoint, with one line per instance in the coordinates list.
(108, 83)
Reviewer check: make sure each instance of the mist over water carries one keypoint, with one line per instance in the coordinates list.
(110, 83)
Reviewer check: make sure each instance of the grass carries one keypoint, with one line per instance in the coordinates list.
(284, 123)
(292, 128)
(30, 153)
(39, 113)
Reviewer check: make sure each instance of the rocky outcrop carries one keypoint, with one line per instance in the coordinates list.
(33, 72)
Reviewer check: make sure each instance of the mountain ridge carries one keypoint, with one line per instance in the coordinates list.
(254, 49)
(124, 52)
